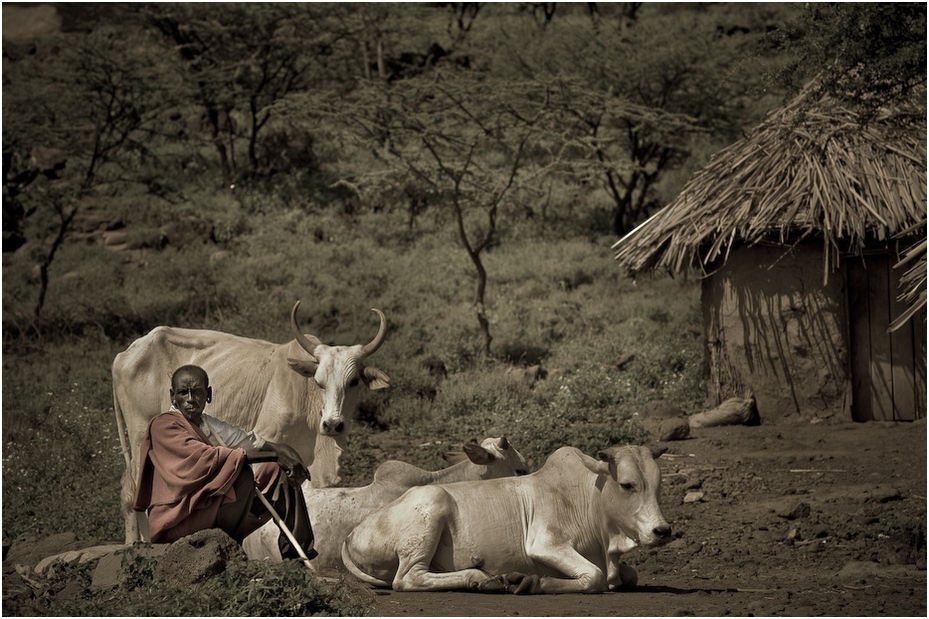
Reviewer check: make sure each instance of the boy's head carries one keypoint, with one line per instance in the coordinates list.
(191, 391)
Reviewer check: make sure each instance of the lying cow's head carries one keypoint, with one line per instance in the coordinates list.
(498, 457)
(339, 372)
(631, 490)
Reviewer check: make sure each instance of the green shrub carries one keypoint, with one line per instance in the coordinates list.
(243, 589)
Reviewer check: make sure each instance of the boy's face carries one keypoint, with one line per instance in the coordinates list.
(189, 394)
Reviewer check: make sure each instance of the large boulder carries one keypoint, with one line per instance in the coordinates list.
(195, 558)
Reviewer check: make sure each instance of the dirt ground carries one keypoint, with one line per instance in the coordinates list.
(770, 520)
(797, 520)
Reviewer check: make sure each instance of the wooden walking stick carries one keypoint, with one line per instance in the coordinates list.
(283, 527)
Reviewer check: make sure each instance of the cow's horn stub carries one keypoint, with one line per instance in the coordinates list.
(371, 347)
(308, 344)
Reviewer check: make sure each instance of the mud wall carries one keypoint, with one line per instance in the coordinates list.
(773, 328)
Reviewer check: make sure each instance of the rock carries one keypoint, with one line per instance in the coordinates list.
(883, 494)
(673, 429)
(115, 568)
(734, 411)
(82, 555)
(664, 421)
(192, 559)
(859, 571)
(792, 511)
(29, 551)
(693, 497)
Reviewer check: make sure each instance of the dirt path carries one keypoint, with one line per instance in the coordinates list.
(785, 520)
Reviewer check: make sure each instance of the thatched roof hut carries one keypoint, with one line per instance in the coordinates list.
(796, 229)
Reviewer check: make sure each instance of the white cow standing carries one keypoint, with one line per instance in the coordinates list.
(293, 393)
(558, 530)
(334, 512)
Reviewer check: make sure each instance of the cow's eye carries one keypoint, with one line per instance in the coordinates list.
(627, 486)
(353, 383)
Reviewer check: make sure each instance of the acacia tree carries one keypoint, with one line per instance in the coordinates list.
(471, 141)
(242, 61)
(641, 93)
(866, 54)
(99, 102)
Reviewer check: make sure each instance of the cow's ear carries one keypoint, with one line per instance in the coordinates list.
(478, 455)
(454, 457)
(375, 378)
(503, 444)
(303, 367)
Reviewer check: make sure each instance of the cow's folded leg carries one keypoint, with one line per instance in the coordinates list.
(522, 584)
(419, 578)
(582, 575)
(495, 584)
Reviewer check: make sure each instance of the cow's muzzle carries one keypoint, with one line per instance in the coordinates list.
(662, 534)
(333, 428)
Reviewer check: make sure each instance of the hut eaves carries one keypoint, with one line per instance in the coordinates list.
(807, 172)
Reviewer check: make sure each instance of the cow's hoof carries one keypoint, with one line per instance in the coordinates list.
(522, 584)
(495, 584)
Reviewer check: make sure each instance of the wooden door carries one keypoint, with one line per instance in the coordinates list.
(888, 370)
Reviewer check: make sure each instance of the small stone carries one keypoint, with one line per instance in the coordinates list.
(693, 497)
(792, 511)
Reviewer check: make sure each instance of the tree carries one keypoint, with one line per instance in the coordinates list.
(99, 103)
(642, 90)
(472, 142)
(242, 61)
(867, 54)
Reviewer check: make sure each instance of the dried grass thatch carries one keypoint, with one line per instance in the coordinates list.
(809, 171)
(913, 281)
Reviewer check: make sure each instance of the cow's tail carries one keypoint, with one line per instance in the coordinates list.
(355, 571)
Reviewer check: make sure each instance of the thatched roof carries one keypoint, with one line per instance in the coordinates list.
(913, 280)
(809, 171)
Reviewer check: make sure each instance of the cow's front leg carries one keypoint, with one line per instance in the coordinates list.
(582, 575)
(419, 578)
(621, 576)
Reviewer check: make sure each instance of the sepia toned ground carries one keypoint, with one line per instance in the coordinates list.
(773, 520)
(793, 519)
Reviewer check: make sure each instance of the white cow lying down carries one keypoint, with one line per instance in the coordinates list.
(558, 530)
(334, 512)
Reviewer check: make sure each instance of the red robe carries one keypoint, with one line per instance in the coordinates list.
(184, 479)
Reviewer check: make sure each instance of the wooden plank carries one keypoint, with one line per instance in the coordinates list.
(882, 393)
(919, 359)
(902, 344)
(860, 339)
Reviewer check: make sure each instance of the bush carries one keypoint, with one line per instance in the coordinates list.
(244, 589)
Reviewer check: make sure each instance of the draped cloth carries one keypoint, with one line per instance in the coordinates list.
(184, 480)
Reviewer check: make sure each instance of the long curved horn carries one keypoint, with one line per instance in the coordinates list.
(308, 344)
(371, 347)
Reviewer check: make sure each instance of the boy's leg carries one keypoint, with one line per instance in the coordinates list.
(231, 517)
